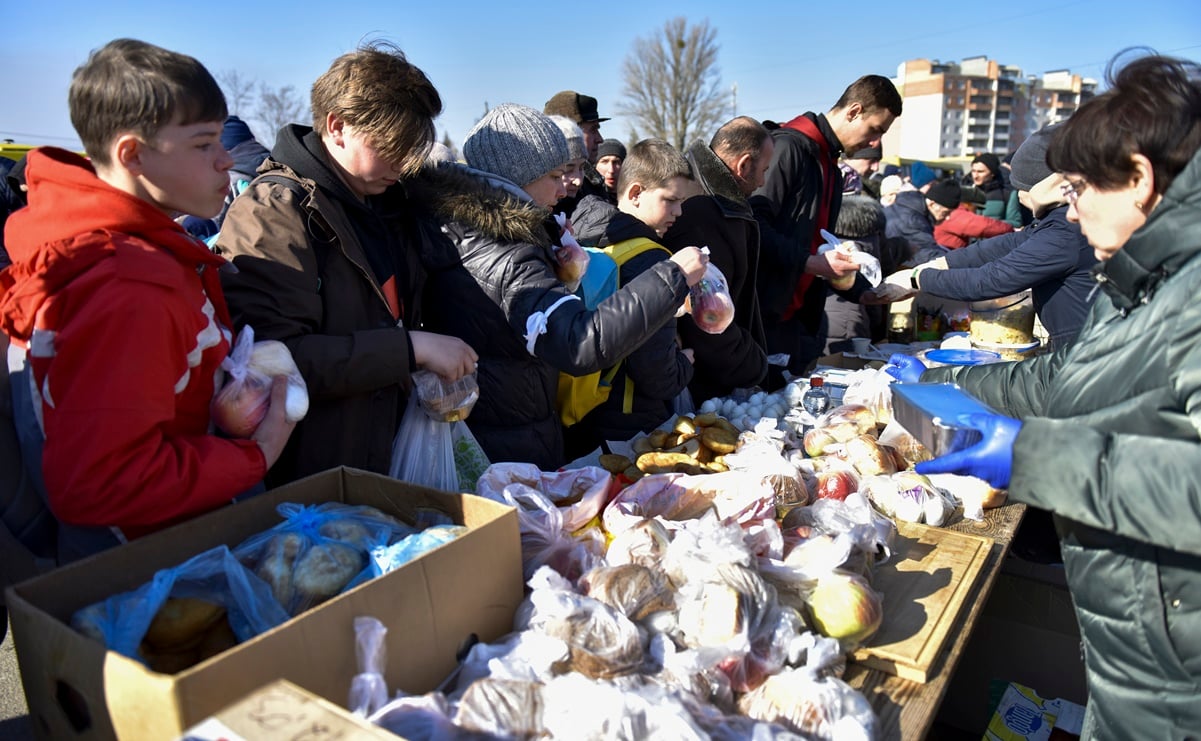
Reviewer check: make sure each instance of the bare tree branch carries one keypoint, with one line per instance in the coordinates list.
(238, 91)
(672, 83)
(277, 108)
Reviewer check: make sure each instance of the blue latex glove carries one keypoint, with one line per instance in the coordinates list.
(905, 368)
(990, 459)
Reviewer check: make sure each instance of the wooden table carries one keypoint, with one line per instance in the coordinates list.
(906, 709)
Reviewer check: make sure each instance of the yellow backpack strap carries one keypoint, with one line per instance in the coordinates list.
(629, 248)
(621, 253)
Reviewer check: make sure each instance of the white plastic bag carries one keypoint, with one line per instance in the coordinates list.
(423, 450)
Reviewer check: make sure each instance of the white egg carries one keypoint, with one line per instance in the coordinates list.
(754, 411)
(709, 406)
(757, 397)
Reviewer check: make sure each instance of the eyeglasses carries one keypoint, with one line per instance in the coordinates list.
(1072, 190)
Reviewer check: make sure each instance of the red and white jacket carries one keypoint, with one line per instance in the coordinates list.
(124, 324)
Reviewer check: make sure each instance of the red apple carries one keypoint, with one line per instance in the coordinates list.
(836, 484)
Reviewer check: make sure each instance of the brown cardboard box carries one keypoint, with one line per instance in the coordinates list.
(281, 710)
(77, 689)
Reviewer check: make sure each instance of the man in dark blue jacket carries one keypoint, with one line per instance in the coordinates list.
(1051, 256)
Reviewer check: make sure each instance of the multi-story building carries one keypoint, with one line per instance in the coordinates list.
(955, 110)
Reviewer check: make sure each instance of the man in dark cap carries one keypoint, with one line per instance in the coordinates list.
(609, 156)
(913, 215)
(581, 109)
(986, 175)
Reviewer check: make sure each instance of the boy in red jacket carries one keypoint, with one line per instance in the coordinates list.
(118, 313)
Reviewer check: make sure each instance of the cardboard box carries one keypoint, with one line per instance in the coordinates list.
(283, 710)
(78, 690)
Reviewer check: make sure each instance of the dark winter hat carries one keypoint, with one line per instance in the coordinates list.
(945, 193)
(234, 132)
(989, 160)
(1029, 165)
(920, 174)
(517, 143)
(860, 216)
(892, 170)
(867, 153)
(579, 108)
(611, 148)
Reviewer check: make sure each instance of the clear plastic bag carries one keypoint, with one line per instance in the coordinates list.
(809, 701)
(603, 642)
(735, 496)
(571, 260)
(423, 450)
(871, 387)
(710, 303)
(213, 582)
(544, 539)
(242, 403)
(579, 493)
(446, 401)
(368, 690)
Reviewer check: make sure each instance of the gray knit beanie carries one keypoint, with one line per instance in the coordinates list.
(1029, 167)
(574, 135)
(516, 142)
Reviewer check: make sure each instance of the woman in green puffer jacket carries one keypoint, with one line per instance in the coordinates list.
(1106, 434)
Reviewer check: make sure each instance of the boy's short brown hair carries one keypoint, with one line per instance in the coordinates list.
(873, 93)
(392, 102)
(132, 86)
(651, 163)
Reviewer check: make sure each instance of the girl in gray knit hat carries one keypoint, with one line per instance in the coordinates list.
(493, 283)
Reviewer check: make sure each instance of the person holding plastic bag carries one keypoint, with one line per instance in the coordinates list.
(1106, 433)
(654, 180)
(117, 319)
(328, 248)
(493, 282)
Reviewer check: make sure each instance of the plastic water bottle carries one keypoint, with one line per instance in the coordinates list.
(816, 399)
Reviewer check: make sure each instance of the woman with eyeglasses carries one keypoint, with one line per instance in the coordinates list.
(1106, 434)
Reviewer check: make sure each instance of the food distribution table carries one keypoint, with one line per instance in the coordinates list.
(906, 709)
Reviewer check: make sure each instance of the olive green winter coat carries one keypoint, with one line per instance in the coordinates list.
(1111, 444)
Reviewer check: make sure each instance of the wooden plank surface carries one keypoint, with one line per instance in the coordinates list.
(905, 709)
(925, 583)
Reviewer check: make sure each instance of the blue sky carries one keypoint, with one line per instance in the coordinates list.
(784, 59)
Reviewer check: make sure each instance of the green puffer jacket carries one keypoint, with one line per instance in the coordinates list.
(1111, 444)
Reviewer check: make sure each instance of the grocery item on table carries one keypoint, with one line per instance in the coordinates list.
(816, 400)
(1008, 320)
(931, 413)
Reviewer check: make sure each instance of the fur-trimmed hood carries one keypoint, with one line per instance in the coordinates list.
(860, 216)
(481, 201)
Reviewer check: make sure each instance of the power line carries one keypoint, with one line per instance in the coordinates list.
(27, 135)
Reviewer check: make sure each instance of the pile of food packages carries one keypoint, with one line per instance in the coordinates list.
(707, 580)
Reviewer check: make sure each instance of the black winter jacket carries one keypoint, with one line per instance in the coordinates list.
(786, 207)
(721, 219)
(1051, 257)
(492, 278)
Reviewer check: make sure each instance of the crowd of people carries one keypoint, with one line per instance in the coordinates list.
(372, 254)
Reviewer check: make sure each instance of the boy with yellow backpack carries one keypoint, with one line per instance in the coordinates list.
(636, 394)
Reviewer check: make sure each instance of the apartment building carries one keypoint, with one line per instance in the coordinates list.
(958, 109)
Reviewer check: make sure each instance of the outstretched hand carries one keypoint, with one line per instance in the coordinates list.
(990, 459)
(905, 368)
(450, 357)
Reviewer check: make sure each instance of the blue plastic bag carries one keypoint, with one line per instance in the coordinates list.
(215, 576)
(317, 551)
